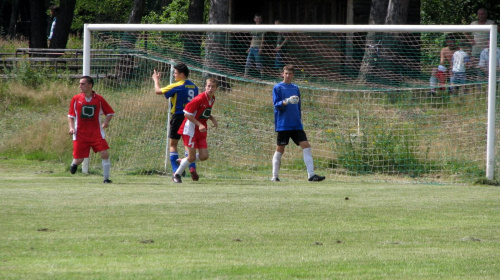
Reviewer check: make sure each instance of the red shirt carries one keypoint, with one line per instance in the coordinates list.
(201, 108)
(86, 114)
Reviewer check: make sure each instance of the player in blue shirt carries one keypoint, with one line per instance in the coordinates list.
(288, 124)
(180, 93)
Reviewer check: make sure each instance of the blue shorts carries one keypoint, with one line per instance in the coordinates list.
(254, 55)
(458, 78)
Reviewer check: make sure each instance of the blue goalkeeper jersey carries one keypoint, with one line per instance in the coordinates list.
(181, 93)
(286, 117)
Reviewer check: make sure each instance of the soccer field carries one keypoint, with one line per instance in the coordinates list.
(58, 226)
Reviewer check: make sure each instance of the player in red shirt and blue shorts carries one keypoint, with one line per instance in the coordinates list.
(194, 127)
(86, 127)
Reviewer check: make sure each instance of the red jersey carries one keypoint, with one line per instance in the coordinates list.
(86, 113)
(201, 108)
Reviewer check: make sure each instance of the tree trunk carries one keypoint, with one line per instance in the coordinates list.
(216, 47)
(63, 24)
(397, 11)
(379, 52)
(13, 19)
(195, 11)
(192, 40)
(394, 61)
(137, 11)
(126, 66)
(378, 12)
(38, 38)
(219, 12)
(18, 19)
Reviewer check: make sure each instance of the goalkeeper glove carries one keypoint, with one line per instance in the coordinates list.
(291, 100)
(294, 99)
(286, 101)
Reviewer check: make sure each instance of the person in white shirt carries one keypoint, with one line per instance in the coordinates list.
(461, 61)
(484, 61)
(479, 39)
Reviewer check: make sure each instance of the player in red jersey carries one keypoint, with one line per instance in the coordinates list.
(194, 127)
(86, 127)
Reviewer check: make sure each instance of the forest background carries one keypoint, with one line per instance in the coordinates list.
(31, 18)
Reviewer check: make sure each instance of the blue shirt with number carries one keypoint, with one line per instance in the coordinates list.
(180, 93)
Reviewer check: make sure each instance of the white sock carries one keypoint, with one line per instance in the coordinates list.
(106, 166)
(308, 160)
(74, 161)
(182, 166)
(276, 163)
(197, 156)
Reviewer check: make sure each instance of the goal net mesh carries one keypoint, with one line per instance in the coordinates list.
(368, 104)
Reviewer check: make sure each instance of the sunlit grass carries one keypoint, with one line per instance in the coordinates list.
(58, 226)
(11, 45)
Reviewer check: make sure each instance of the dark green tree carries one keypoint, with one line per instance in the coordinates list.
(63, 25)
(137, 11)
(38, 14)
(457, 11)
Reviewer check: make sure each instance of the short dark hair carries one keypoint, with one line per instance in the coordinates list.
(88, 79)
(289, 67)
(464, 44)
(54, 9)
(182, 68)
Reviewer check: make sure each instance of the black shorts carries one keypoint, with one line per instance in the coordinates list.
(296, 135)
(175, 122)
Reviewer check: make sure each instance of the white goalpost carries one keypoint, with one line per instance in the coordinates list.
(351, 89)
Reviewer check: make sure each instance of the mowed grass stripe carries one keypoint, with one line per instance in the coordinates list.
(56, 226)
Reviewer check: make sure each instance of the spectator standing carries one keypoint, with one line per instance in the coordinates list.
(479, 39)
(443, 71)
(54, 12)
(255, 49)
(484, 59)
(461, 61)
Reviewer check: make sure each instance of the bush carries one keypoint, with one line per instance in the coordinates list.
(376, 149)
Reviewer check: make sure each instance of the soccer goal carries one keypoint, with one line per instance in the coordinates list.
(374, 101)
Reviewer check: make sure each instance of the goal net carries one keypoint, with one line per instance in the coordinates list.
(376, 100)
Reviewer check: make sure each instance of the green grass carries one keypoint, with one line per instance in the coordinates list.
(58, 226)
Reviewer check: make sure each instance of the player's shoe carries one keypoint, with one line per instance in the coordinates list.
(177, 178)
(179, 163)
(194, 175)
(275, 179)
(107, 181)
(316, 178)
(72, 168)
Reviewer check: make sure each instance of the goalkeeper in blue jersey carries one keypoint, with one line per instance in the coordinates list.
(180, 93)
(288, 124)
